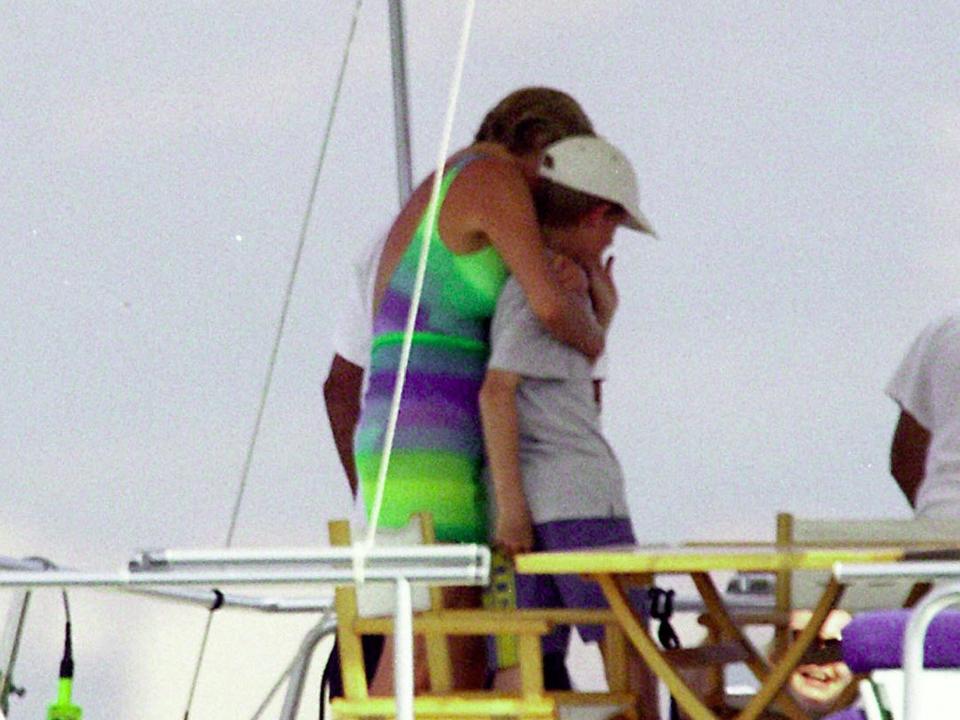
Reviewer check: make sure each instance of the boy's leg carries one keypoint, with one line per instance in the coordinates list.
(578, 593)
(526, 592)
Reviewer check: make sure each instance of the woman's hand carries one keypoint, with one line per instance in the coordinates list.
(514, 532)
(603, 292)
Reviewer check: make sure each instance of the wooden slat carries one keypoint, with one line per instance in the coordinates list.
(531, 667)
(577, 699)
(351, 650)
(615, 658)
(568, 616)
(717, 654)
(459, 706)
(460, 622)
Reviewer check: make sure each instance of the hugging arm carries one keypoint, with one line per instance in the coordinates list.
(502, 209)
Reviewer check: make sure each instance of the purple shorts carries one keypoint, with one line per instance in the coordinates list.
(570, 591)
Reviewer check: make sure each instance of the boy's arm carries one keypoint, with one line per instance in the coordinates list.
(501, 435)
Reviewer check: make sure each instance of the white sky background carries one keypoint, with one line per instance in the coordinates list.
(800, 162)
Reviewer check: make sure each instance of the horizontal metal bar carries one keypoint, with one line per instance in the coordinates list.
(921, 571)
(204, 598)
(466, 554)
(267, 576)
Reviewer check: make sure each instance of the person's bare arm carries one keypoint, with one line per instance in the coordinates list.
(341, 391)
(501, 435)
(498, 205)
(908, 455)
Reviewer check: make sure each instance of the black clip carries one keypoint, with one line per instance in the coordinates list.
(661, 609)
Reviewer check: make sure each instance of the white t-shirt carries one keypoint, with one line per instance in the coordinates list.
(569, 471)
(927, 386)
(353, 332)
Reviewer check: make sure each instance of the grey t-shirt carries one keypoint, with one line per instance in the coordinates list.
(569, 470)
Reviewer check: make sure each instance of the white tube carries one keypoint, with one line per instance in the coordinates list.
(64, 578)
(919, 570)
(913, 642)
(444, 554)
(403, 651)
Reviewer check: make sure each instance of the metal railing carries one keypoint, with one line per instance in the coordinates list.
(169, 575)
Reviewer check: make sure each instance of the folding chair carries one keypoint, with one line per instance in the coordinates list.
(367, 612)
(796, 591)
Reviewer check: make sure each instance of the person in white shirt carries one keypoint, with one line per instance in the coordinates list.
(925, 452)
(352, 335)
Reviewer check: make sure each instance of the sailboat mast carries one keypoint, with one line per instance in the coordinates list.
(401, 110)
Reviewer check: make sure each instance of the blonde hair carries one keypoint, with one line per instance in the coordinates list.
(529, 119)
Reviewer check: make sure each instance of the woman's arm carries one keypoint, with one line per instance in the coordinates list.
(501, 436)
(495, 201)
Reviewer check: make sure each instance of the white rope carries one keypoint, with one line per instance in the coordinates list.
(432, 211)
(271, 365)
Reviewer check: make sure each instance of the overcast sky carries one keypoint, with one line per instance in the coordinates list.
(799, 161)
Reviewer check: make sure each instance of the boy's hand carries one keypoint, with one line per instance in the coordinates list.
(514, 532)
(603, 292)
(570, 276)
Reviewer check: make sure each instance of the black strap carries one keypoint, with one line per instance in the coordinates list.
(661, 610)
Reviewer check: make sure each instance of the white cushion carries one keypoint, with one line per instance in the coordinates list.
(377, 599)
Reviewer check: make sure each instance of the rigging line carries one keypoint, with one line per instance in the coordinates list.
(271, 365)
(432, 212)
(258, 713)
(288, 670)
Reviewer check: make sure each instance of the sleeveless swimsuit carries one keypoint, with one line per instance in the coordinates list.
(438, 446)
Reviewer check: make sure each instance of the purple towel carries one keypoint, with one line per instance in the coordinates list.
(874, 640)
(848, 714)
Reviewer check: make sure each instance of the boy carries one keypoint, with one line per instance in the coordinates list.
(556, 482)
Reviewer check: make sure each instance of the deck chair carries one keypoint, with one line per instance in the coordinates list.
(799, 590)
(794, 591)
(368, 612)
(873, 645)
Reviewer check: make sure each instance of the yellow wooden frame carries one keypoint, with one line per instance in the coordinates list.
(609, 566)
(438, 623)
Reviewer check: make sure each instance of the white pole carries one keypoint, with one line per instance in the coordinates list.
(401, 106)
(403, 651)
(913, 642)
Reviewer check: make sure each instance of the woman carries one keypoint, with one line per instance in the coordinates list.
(486, 228)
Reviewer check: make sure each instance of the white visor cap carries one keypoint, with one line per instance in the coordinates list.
(594, 166)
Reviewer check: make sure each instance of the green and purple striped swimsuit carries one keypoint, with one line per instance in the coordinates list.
(438, 446)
